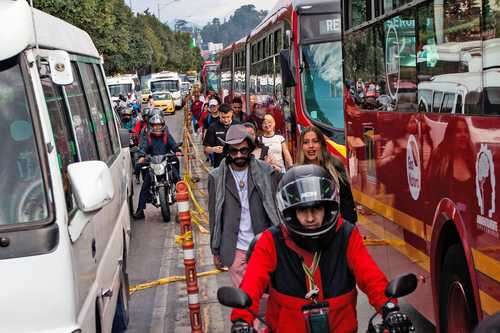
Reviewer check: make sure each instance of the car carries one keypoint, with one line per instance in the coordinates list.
(164, 101)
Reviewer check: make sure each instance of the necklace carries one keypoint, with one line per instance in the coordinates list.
(240, 180)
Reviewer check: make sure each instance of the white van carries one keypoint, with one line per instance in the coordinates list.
(170, 82)
(64, 181)
(461, 93)
(123, 85)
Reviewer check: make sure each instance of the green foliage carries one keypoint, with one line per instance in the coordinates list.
(239, 24)
(127, 43)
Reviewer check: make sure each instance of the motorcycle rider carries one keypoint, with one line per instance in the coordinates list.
(127, 121)
(312, 263)
(158, 141)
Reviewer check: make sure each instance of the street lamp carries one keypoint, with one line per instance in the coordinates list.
(164, 5)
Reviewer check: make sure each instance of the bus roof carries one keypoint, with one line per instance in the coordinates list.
(17, 33)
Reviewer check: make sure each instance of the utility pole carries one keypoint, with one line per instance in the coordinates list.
(159, 17)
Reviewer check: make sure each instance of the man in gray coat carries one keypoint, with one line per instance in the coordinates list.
(241, 202)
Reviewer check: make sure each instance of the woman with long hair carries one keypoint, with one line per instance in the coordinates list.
(451, 168)
(312, 149)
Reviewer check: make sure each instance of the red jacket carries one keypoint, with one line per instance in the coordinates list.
(344, 264)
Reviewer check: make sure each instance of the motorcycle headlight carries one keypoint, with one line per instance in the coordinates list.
(158, 169)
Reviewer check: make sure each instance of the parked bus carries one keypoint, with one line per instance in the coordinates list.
(427, 180)
(65, 180)
(289, 65)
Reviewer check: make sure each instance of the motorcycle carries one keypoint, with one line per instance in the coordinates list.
(400, 286)
(162, 189)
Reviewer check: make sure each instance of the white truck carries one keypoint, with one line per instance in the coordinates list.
(167, 82)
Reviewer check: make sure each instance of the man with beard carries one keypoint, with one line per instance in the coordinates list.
(241, 202)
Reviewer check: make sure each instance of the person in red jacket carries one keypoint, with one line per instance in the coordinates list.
(311, 263)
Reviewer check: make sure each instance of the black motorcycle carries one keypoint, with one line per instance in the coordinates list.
(398, 287)
(162, 190)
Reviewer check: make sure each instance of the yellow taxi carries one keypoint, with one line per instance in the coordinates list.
(145, 96)
(164, 101)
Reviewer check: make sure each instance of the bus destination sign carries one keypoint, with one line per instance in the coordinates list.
(320, 28)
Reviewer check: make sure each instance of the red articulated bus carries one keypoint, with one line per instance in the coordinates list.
(312, 89)
(422, 110)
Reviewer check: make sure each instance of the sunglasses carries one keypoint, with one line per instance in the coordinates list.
(243, 151)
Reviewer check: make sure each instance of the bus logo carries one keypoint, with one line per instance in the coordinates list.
(413, 167)
(392, 61)
(485, 190)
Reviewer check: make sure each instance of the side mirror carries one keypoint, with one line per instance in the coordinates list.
(92, 184)
(233, 297)
(401, 285)
(124, 137)
(489, 325)
(286, 73)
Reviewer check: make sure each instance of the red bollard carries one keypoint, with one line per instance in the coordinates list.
(182, 197)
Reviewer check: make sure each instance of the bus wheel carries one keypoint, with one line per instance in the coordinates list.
(121, 319)
(457, 310)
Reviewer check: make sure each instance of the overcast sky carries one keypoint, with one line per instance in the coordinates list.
(197, 11)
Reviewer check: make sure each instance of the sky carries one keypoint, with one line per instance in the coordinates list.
(199, 12)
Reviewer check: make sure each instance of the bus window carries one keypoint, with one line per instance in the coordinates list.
(22, 185)
(459, 105)
(322, 79)
(63, 136)
(436, 103)
(491, 100)
(80, 119)
(448, 101)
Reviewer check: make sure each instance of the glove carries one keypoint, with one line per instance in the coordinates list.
(398, 322)
(241, 326)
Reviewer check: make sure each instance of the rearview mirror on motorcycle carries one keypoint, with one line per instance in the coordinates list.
(401, 285)
(233, 297)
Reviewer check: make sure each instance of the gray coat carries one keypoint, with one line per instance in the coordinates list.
(224, 208)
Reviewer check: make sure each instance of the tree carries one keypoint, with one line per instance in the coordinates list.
(243, 20)
(127, 43)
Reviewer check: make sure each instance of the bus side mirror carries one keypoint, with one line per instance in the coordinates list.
(287, 78)
(60, 67)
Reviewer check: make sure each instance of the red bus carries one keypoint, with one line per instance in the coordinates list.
(301, 38)
(209, 77)
(422, 112)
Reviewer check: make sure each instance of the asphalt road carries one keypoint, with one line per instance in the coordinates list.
(154, 255)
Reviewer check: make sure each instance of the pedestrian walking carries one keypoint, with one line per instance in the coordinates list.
(261, 151)
(238, 114)
(241, 202)
(213, 141)
(313, 150)
(276, 143)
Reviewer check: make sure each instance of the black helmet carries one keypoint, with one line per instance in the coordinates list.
(307, 186)
(157, 120)
(146, 112)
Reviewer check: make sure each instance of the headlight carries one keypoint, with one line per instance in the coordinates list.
(158, 169)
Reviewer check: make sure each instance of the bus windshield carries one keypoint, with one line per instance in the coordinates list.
(213, 81)
(117, 89)
(165, 85)
(21, 182)
(322, 82)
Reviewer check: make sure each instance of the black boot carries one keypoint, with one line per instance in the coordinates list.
(139, 214)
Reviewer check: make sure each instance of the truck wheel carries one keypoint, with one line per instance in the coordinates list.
(457, 311)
